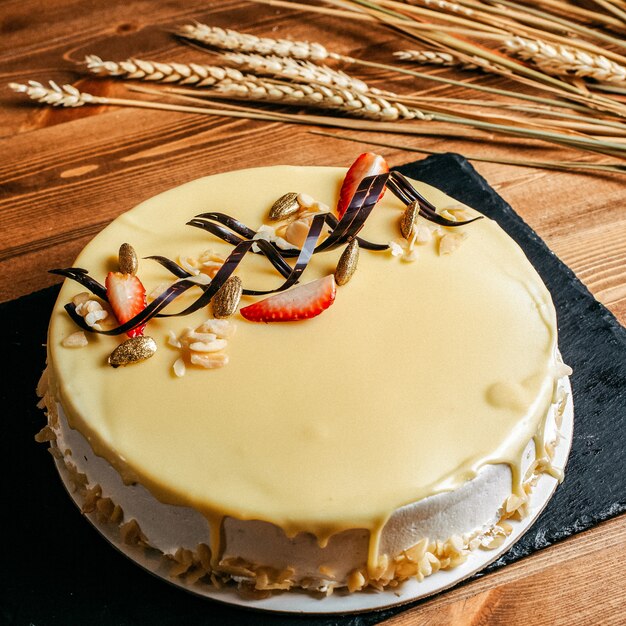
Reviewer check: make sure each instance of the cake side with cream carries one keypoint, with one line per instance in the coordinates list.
(379, 440)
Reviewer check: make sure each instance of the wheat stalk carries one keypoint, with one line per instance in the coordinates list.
(185, 74)
(369, 106)
(443, 5)
(234, 40)
(298, 70)
(231, 83)
(566, 166)
(65, 96)
(433, 57)
(567, 60)
(69, 96)
(226, 39)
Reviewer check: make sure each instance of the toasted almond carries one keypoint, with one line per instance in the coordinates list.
(285, 206)
(127, 259)
(305, 200)
(320, 207)
(75, 340)
(296, 232)
(224, 329)
(226, 300)
(81, 298)
(450, 242)
(179, 368)
(347, 263)
(407, 222)
(133, 350)
(209, 361)
(423, 234)
(194, 335)
(208, 346)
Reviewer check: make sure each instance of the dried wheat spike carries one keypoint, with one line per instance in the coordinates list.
(231, 83)
(227, 39)
(348, 101)
(181, 73)
(566, 60)
(294, 69)
(65, 96)
(443, 5)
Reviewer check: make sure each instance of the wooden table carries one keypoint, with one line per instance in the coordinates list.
(67, 173)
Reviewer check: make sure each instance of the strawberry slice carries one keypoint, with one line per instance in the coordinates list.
(299, 303)
(127, 297)
(368, 164)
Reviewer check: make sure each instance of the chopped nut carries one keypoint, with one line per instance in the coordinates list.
(81, 298)
(172, 340)
(224, 329)
(209, 361)
(75, 340)
(356, 581)
(179, 367)
(208, 346)
(305, 200)
(93, 317)
(395, 248)
(320, 207)
(423, 234)
(189, 264)
(296, 233)
(450, 242)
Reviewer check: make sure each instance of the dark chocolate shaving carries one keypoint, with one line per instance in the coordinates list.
(332, 221)
(217, 230)
(80, 276)
(230, 222)
(343, 231)
(152, 310)
(168, 264)
(404, 191)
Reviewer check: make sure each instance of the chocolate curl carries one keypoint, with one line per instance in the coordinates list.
(345, 230)
(404, 191)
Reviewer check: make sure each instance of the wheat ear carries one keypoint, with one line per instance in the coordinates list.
(443, 5)
(567, 60)
(65, 96)
(231, 83)
(433, 57)
(298, 70)
(182, 73)
(354, 103)
(226, 39)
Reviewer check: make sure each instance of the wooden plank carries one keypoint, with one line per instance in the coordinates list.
(567, 573)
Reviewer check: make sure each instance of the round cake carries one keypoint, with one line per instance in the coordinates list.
(389, 427)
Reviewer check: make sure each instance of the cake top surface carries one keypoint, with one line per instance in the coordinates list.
(419, 374)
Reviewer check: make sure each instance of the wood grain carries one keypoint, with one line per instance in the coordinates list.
(557, 586)
(65, 174)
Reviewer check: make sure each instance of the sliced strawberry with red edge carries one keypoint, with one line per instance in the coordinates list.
(299, 303)
(127, 297)
(368, 164)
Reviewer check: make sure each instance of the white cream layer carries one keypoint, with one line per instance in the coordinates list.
(467, 511)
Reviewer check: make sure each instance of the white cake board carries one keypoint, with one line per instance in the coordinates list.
(343, 602)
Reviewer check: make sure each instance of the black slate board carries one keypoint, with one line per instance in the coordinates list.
(57, 570)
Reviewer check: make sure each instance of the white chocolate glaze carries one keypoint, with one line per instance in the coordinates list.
(417, 377)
